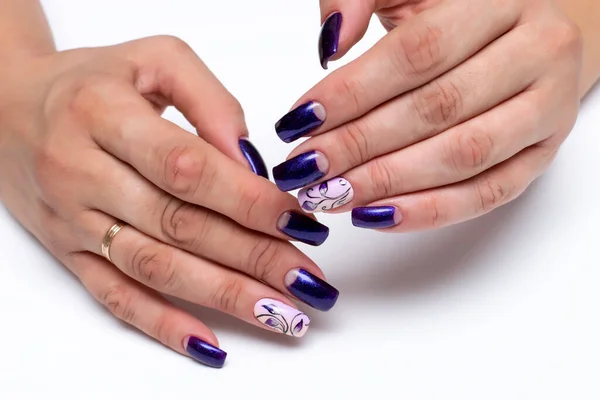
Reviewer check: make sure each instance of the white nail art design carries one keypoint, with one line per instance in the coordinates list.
(326, 196)
(281, 317)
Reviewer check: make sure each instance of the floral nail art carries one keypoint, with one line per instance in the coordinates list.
(326, 196)
(281, 317)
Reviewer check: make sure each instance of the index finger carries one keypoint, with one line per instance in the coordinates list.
(411, 55)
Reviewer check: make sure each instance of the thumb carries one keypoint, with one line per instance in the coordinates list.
(171, 69)
(344, 23)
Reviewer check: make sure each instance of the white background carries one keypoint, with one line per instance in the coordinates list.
(503, 307)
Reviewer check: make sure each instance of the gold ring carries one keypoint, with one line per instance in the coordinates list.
(108, 238)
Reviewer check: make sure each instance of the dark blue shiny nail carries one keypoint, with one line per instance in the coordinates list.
(311, 289)
(303, 228)
(254, 158)
(205, 353)
(300, 171)
(300, 121)
(330, 38)
(376, 217)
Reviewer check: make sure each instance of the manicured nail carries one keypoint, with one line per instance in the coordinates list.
(376, 217)
(311, 289)
(300, 121)
(281, 317)
(204, 352)
(326, 196)
(254, 158)
(300, 171)
(303, 228)
(330, 38)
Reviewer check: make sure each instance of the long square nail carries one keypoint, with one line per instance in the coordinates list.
(311, 289)
(204, 352)
(281, 317)
(376, 217)
(300, 121)
(300, 171)
(303, 228)
(329, 38)
(326, 196)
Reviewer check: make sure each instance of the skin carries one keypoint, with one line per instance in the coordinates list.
(70, 119)
(459, 107)
(82, 144)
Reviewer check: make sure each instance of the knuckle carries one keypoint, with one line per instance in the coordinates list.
(249, 207)
(438, 105)
(88, 93)
(185, 171)
(492, 193)
(433, 211)
(419, 51)
(263, 258)
(355, 142)
(566, 38)
(227, 296)
(184, 224)
(382, 177)
(161, 329)
(171, 44)
(155, 266)
(120, 301)
(50, 168)
(470, 151)
(353, 91)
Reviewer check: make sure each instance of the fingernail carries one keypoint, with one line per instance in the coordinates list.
(329, 38)
(303, 228)
(311, 289)
(326, 196)
(281, 317)
(376, 217)
(300, 121)
(300, 171)
(204, 352)
(253, 157)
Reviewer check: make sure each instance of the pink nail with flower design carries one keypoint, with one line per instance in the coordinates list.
(281, 317)
(326, 196)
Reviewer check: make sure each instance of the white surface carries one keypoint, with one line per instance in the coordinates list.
(504, 307)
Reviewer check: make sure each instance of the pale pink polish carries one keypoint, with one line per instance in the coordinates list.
(281, 317)
(326, 196)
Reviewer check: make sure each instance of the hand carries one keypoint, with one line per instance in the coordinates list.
(82, 145)
(452, 114)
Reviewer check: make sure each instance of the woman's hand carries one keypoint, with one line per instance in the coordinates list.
(452, 114)
(82, 145)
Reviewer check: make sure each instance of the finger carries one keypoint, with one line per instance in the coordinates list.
(472, 147)
(189, 168)
(177, 273)
(470, 89)
(146, 310)
(168, 67)
(207, 234)
(457, 154)
(343, 24)
(451, 204)
(413, 54)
